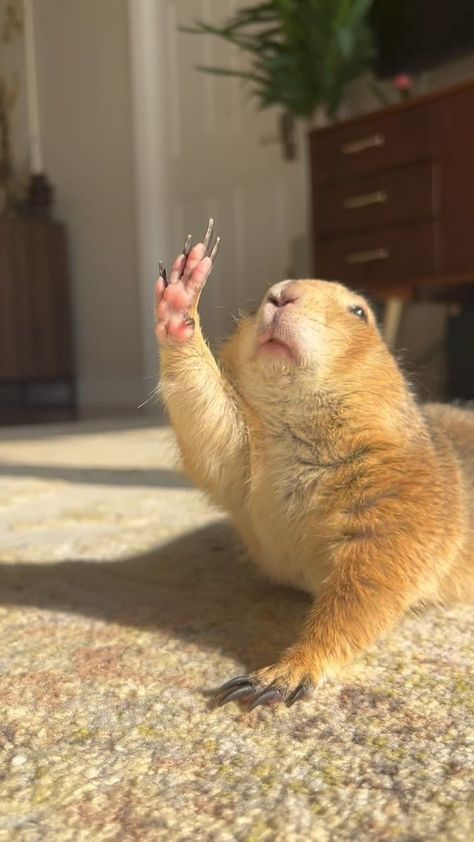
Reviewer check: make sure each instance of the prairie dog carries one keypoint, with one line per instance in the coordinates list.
(339, 483)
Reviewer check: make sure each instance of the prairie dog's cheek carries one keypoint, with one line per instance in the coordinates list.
(314, 343)
(248, 341)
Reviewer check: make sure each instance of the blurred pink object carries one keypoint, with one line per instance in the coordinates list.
(403, 82)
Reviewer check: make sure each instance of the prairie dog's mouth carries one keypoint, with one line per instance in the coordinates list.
(277, 333)
(273, 345)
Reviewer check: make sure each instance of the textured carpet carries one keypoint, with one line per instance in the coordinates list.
(123, 597)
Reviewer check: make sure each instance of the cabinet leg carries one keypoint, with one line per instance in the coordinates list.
(391, 321)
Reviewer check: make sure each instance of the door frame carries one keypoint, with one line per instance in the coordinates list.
(150, 118)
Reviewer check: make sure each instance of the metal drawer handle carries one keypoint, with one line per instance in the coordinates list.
(356, 146)
(368, 256)
(378, 197)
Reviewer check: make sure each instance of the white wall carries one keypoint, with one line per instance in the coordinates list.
(85, 105)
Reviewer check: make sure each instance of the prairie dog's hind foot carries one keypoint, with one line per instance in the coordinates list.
(176, 299)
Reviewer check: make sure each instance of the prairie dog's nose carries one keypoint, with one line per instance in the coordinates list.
(282, 294)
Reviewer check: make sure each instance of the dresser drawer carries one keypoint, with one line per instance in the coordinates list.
(390, 254)
(377, 142)
(386, 199)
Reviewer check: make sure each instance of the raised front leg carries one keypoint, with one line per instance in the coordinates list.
(201, 403)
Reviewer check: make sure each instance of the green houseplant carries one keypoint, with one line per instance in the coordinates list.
(302, 53)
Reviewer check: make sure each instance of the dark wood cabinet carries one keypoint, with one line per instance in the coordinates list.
(36, 349)
(393, 196)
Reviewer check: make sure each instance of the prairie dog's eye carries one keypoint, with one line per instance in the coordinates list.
(358, 311)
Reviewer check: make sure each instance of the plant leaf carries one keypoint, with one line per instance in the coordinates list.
(303, 52)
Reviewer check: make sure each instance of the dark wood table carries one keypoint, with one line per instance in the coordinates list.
(393, 199)
(37, 379)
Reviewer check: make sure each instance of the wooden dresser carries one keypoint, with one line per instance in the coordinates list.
(393, 196)
(36, 359)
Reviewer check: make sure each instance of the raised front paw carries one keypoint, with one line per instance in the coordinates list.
(287, 682)
(177, 298)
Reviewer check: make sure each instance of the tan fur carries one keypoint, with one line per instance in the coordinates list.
(337, 480)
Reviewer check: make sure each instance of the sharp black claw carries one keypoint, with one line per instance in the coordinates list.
(299, 693)
(215, 249)
(186, 249)
(162, 273)
(271, 694)
(237, 693)
(208, 234)
(234, 682)
(187, 245)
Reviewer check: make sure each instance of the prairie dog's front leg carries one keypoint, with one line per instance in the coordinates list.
(362, 598)
(201, 403)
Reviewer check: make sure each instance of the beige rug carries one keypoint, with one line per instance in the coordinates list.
(123, 597)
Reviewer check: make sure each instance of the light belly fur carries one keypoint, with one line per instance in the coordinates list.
(277, 541)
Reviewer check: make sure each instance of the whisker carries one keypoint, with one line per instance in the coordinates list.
(323, 324)
(154, 394)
